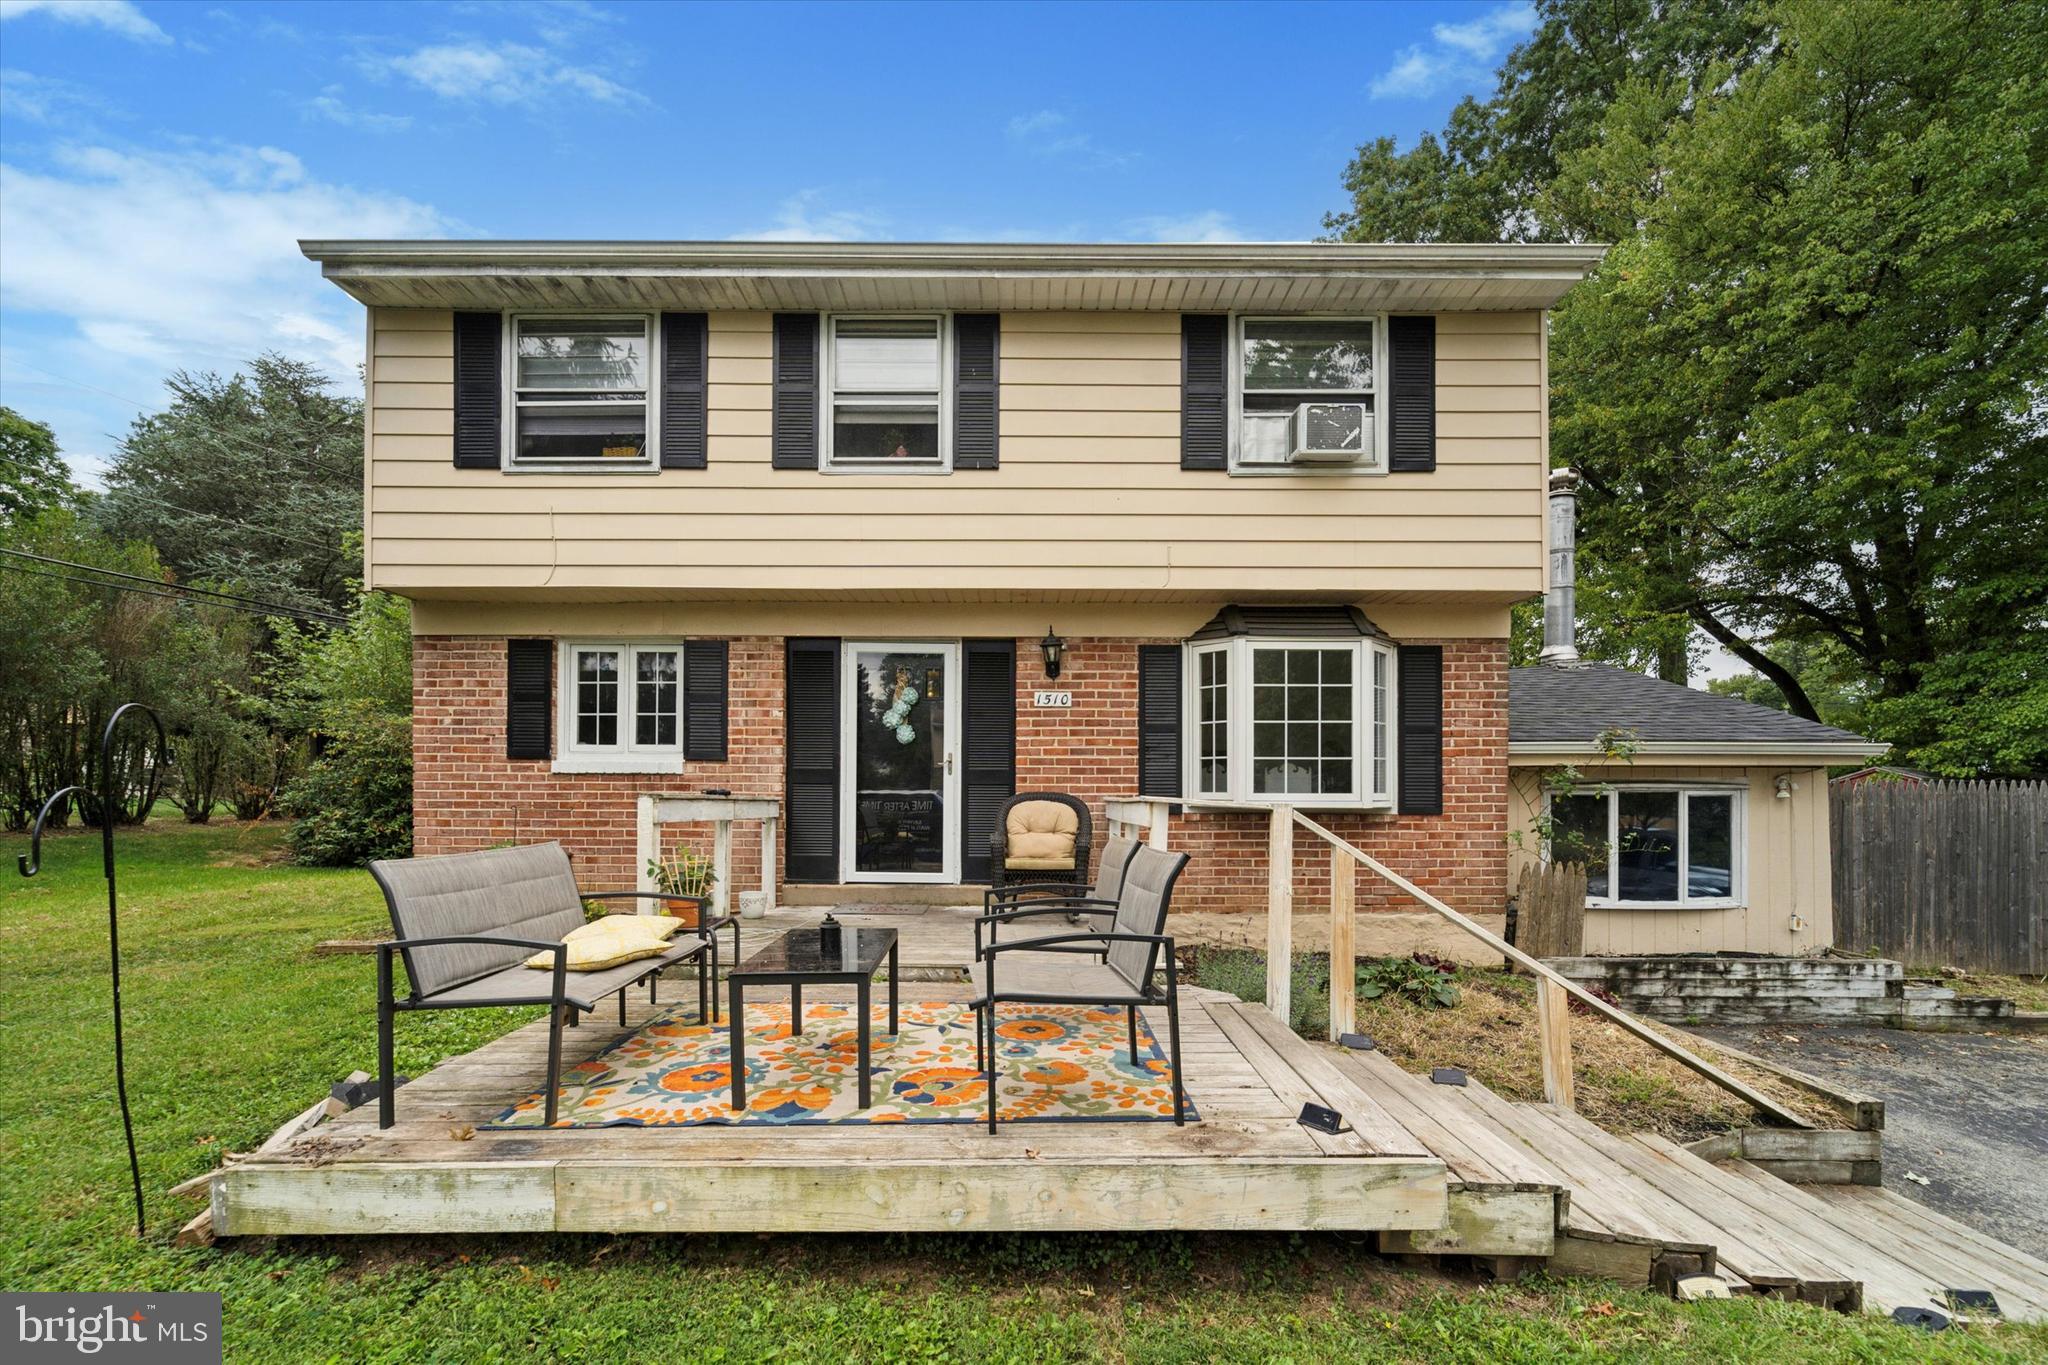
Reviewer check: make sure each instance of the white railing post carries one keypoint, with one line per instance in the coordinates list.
(1343, 954)
(645, 847)
(1156, 836)
(1280, 912)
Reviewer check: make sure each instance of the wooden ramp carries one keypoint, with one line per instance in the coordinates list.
(1644, 1209)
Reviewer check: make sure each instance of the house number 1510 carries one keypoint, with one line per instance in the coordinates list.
(1052, 698)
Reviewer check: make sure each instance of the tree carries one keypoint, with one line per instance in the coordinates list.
(255, 479)
(33, 477)
(1830, 678)
(1805, 386)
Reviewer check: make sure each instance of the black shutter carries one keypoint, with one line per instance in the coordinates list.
(705, 670)
(682, 390)
(794, 444)
(988, 695)
(811, 744)
(1421, 689)
(1204, 391)
(1411, 398)
(529, 673)
(479, 392)
(976, 342)
(1159, 720)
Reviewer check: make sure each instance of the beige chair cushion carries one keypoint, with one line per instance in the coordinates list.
(1040, 835)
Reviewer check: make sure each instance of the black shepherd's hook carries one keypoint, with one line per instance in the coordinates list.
(31, 863)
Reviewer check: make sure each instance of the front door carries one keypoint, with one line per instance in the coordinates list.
(898, 743)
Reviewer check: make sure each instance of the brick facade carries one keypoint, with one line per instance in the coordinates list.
(467, 794)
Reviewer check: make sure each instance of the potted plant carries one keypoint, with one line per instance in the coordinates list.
(684, 878)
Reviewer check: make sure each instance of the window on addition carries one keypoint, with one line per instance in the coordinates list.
(1653, 847)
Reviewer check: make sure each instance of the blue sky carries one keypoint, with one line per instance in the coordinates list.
(158, 161)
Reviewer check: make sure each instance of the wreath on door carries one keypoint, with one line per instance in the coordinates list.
(897, 717)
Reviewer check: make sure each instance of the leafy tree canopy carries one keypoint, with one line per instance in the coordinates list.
(33, 477)
(255, 479)
(1806, 386)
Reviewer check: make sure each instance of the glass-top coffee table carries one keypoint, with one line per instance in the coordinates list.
(797, 960)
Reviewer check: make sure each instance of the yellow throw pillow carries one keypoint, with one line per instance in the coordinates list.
(609, 941)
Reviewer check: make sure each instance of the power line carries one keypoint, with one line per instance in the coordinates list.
(175, 596)
(278, 608)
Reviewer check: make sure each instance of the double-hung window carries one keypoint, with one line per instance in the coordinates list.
(1308, 395)
(886, 395)
(1302, 722)
(1653, 847)
(621, 708)
(579, 392)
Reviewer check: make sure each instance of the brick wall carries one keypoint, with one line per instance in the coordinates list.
(467, 794)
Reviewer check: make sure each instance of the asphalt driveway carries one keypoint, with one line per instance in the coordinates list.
(1968, 1111)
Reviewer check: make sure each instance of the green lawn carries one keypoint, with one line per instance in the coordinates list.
(234, 1026)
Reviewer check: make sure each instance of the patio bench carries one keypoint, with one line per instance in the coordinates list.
(466, 923)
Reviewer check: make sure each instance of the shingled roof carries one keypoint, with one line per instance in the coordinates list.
(1566, 708)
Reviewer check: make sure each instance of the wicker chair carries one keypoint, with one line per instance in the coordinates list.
(1040, 837)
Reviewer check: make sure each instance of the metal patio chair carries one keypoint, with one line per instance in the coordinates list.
(1040, 837)
(1132, 949)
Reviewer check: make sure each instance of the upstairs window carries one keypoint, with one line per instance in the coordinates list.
(886, 393)
(579, 390)
(1309, 394)
(1653, 847)
(1300, 722)
(621, 708)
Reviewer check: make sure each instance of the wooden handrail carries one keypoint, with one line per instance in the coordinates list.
(1550, 1013)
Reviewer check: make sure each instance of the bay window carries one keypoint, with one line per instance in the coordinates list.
(1304, 722)
(1652, 847)
(885, 393)
(579, 393)
(621, 708)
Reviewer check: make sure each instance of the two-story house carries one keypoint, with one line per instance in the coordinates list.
(823, 521)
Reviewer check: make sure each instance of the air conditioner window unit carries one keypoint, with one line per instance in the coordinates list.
(1330, 433)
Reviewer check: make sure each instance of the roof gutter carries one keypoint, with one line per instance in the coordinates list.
(1819, 751)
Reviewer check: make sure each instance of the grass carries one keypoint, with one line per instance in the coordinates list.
(1619, 1081)
(234, 1026)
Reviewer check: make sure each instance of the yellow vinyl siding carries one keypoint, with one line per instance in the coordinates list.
(1090, 499)
(1788, 872)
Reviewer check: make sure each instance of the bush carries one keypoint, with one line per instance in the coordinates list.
(355, 802)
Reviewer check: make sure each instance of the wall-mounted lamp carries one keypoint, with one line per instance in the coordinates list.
(1054, 649)
(1784, 784)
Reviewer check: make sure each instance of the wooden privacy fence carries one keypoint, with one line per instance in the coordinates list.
(1954, 873)
(1550, 910)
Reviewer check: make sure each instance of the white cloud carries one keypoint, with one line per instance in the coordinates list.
(800, 218)
(329, 106)
(1465, 52)
(1491, 34)
(116, 16)
(501, 73)
(189, 258)
(1049, 133)
(1211, 225)
(47, 99)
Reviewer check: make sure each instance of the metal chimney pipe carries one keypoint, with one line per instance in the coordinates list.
(1560, 601)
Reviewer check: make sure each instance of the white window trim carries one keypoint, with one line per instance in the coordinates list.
(829, 384)
(1738, 844)
(625, 756)
(1237, 678)
(508, 369)
(1235, 372)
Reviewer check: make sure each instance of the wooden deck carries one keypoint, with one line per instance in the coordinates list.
(1432, 1169)
(1245, 1165)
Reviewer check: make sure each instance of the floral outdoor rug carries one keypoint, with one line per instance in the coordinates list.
(1053, 1062)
